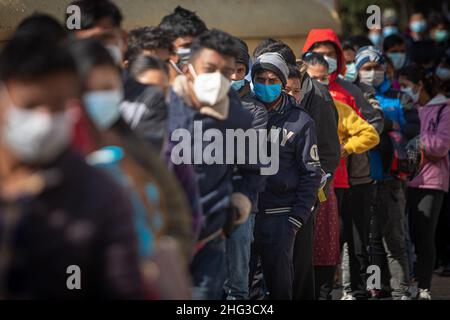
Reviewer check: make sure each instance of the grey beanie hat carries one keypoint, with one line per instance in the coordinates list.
(274, 62)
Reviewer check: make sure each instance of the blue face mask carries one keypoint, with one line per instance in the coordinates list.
(375, 38)
(398, 59)
(238, 84)
(443, 73)
(418, 26)
(267, 93)
(440, 35)
(103, 107)
(351, 73)
(389, 30)
(332, 64)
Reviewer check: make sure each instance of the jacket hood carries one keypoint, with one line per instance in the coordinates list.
(319, 35)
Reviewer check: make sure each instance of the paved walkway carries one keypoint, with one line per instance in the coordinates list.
(440, 289)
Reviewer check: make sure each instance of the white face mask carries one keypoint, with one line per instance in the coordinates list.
(332, 64)
(36, 137)
(409, 91)
(210, 88)
(372, 77)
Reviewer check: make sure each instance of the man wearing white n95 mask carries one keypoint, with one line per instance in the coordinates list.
(204, 95)
(42, 181)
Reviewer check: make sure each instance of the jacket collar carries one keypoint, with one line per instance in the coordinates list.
(439, 99)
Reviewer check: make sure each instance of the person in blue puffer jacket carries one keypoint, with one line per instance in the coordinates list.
(401, 117)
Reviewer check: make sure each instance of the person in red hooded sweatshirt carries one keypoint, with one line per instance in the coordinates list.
(358, 192)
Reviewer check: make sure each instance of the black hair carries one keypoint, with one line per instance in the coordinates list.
(437, 18)
(360, 41)
(391, 41)
(348, 45)
(417, 11)
(324, 43)
(142, 63)
(243, 56)
(272, 45)
(416, 73)
(261, 47)
(423, 52)
(217, 40)
(42, 24)
(26, 57)
(294, 72)
(182, 22)
(313, 58)
(94, 10)
(147, 38)
(89, 53)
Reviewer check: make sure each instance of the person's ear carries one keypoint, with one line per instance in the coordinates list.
(124, 38)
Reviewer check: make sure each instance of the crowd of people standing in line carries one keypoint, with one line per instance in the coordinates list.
(89, 121)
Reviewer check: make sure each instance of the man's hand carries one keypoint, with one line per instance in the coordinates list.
(243, 204)
(344, 153)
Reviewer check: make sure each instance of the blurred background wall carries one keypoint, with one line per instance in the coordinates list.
(252, 20)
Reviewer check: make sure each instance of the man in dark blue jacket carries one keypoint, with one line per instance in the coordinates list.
(288, 199)
(202, 99)
(239, 243)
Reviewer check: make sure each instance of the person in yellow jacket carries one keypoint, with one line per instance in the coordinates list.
(355, 134)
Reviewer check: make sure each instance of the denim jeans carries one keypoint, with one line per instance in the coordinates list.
(237, 259)
(208, 270)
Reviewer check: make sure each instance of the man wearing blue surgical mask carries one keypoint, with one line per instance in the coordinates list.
(394, 47)
(287, 201)
(440, 32)
(349, 56)
(418, 26)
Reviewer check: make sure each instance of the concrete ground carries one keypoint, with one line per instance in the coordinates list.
(440, 289)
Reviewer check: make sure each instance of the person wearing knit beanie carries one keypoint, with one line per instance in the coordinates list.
(269, 75)
(272, 61)
(286, 203)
